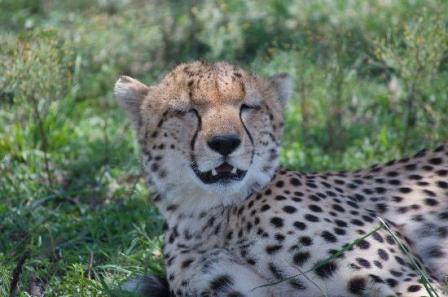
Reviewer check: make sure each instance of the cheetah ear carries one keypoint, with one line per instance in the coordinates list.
(130, 94)
(283, 85)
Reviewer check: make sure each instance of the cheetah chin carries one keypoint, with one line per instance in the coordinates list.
(238, 225)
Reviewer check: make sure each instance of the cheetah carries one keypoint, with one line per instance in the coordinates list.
(239, 225)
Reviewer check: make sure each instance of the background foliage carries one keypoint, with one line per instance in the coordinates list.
(75, 220)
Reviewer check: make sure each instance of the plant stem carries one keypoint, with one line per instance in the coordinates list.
(44, 138)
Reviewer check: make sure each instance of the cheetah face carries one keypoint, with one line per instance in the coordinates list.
(208, 128)
(222, 155)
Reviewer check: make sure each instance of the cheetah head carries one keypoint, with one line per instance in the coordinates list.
(208, 129)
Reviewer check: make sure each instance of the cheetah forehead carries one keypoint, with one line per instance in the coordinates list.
(201, 83)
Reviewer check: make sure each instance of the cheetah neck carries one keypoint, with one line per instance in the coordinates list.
(200, 229)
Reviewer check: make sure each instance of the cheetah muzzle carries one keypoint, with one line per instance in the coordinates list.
(238, 225)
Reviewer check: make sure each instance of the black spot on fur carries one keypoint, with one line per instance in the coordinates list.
(311, 218)
(414, 288)
(289, 209)
(328, 236)
(363, 262)
(357, 285)
(265, 207)
(315, 208)
(186, 263)
(299, 225)
(306, 241)
(363, 244)
(431, 202)
(295, 181)
(435, 161)
(271, 249)
(442, 184)
(275, 271)
(301, 257)
(392, 282)
(436, 252)
(326, 270)
(277, 222)
(221, 282)
(383, 254)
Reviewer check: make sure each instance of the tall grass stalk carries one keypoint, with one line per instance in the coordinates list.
(423, 274)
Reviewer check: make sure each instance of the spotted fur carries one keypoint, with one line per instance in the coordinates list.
(231, 237)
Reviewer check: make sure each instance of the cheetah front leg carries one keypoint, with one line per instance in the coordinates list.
(215, 273)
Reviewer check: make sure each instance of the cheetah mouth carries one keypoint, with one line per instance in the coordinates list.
(224, 173)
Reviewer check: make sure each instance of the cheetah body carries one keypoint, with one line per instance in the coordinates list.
(250, 228)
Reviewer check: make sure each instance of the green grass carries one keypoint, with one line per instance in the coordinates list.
(371, 85)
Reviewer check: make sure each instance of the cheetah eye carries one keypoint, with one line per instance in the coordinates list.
(245, 107)
(179, 112)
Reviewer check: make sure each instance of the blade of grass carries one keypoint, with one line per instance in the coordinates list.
(423, 274)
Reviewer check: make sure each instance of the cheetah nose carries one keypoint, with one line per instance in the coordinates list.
(224, 144)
